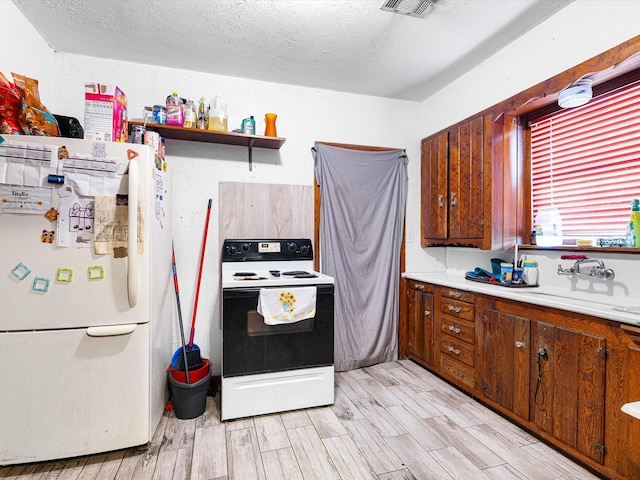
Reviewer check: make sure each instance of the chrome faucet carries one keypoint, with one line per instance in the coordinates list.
(598, 270)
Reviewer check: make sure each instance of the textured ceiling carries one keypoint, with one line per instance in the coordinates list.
(343, 45)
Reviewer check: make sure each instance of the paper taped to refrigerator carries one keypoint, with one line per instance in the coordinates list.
(23, 199)
(111, 224)
(76, 221)
(27, 164)
(90, 176)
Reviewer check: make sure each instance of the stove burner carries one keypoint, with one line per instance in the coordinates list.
(244, 274)
(305, 275)
(296, 272)
(275, 273)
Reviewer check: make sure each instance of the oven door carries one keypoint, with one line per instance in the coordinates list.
(249, 346)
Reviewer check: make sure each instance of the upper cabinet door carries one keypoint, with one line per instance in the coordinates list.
(466, 188)
(466, 182)
(435, 189)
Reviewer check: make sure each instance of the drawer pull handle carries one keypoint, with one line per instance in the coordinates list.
(454, 294)
(519, 344)
(427, 313)
(454, 350)
(454, 329)
(440, 203)
(454, 309)
(419, 286)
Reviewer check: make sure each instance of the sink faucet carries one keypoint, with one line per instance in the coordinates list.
(597, 270)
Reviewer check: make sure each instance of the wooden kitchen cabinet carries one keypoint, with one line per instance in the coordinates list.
(569, 395)
(504, 350)
(490, 347)
(467, 191)
(454, 317)
(420, 328)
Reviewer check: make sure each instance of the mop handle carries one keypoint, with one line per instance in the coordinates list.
(175, 284)
(195, 302)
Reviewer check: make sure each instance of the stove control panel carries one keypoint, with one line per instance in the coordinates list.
(267, 250)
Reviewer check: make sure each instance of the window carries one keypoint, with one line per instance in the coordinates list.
(585, 161)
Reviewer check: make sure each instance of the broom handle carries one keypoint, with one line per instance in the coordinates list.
(175, 284)
(195, 303)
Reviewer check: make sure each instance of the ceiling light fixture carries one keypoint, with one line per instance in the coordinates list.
(577, 94)
(413, 8)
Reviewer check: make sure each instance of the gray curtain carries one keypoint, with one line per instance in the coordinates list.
(362, 204)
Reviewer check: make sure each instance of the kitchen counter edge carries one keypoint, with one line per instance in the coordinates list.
(546, 297)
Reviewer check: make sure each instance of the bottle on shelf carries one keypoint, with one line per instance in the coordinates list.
(202, 115)
(190, 114)
(249, 126)
(175, 114)
(633, 233)
(218, 114)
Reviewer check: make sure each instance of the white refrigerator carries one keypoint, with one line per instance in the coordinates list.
(85, 336)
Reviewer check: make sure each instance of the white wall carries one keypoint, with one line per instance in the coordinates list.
(25, 52)
(304, 116)
(583, 29)
(580, 31)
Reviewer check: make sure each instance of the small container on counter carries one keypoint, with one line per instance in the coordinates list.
(530, 272)
(506, 272)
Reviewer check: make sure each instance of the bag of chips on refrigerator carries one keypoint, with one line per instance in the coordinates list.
(34, 117)
(10, 105)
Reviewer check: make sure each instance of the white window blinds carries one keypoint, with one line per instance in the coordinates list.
(585, 161)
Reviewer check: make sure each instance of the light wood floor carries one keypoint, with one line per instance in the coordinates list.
(393, 421)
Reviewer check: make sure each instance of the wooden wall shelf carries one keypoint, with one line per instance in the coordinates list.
(213, 136)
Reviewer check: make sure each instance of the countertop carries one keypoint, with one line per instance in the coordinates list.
(618, 309)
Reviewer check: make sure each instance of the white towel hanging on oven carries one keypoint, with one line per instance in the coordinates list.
(287, 305)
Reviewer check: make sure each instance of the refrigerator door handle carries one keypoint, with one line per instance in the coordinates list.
(132, 235)
(111, 330)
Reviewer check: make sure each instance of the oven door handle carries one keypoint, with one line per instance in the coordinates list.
(322, 289)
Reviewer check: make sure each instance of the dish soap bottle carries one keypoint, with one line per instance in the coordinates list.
(175, 114)
(634, 225)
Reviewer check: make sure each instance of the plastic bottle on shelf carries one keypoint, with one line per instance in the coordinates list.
(218, 114)
(633, 239)
(175, 114)
(190, 114)
(202, 115)
(249, 126)
(548, 227)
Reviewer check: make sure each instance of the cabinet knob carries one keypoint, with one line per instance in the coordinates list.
(454, 329)
(419, 286)
(454, 309)
(453, 293)
(427, 313)
(440, 202)
(454, 350)
(453, 199)
(519, 344)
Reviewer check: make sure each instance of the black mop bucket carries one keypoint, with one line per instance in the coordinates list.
(189, 400)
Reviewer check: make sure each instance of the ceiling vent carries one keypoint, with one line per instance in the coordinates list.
(414, 8)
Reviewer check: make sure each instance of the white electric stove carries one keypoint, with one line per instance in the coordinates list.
(273, 368)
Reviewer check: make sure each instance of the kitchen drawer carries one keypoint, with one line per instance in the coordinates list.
(456, 294)
(456, 349)
(423, 287)
(456, 308)
(458, 328)
(461, 375)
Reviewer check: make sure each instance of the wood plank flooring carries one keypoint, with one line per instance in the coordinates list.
(393, 421)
